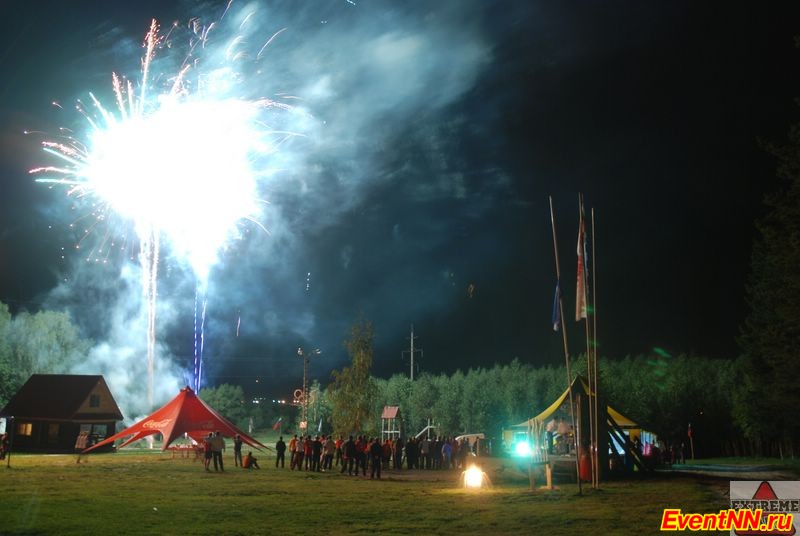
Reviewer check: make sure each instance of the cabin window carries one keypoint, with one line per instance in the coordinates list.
(25, 429)
(94, 401)
(52, 432)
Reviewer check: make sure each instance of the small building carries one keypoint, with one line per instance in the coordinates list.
(50, 410)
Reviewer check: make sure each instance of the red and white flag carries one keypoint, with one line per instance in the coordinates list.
(580, 298)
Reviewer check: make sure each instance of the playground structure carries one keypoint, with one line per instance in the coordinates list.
(391, 423)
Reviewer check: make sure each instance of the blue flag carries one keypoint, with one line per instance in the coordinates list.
(556, 308)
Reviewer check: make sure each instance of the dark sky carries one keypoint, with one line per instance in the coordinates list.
(447, 127)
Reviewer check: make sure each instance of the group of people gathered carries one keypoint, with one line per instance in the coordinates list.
(214, 444)
(355, 454)
(352, 455)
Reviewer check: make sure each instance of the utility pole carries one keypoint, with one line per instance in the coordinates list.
(306, 358)
(411, 352)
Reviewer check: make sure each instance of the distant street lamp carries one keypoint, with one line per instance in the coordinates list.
(306, 358)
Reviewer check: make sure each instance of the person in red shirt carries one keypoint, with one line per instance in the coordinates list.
(293, 452)
(339, 444)
(386, 452)
(250, 462)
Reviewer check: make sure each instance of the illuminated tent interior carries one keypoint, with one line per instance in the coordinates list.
(552, 430)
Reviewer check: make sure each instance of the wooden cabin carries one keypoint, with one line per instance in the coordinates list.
(50, 410)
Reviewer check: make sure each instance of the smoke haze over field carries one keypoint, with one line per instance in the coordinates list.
(426, 139)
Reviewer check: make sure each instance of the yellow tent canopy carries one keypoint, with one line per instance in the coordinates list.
(577, 384)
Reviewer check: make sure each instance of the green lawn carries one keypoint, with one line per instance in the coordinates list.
(790, 464)
(148, 492)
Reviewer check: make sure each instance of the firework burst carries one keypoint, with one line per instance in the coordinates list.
(176, 156)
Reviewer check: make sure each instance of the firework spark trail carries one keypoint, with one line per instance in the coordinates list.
(149, 261)
(202, 342)
(199, 339)
(179, 164)
(196, 335)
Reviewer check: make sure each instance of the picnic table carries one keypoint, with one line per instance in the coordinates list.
(185, 451)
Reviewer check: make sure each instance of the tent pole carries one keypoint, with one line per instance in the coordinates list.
(566, 346)
(592, 435)
(594, 352)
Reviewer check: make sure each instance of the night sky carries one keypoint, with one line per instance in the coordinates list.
(423, 197)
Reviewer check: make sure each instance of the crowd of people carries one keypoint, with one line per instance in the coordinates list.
(356, 454)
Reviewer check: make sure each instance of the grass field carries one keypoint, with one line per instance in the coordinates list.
(149, 492)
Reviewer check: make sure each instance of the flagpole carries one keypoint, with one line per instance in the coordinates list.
(583, 314)
(594, 351)
(566, 347)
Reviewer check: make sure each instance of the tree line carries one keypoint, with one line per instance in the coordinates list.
(662, 393)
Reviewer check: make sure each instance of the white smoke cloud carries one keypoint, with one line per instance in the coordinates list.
(360, 79)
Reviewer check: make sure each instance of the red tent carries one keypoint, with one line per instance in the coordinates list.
(184, 414)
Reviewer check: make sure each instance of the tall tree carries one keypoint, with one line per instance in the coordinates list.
(353, 390)
(9, 380)
(43, 343)
(770, 338)
(424, 394)
(227, 400)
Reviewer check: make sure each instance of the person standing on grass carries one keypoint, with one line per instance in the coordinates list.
(293, 452)
(397, 453)
(412, 453)
(81, 444)
(361, 455)
(437, 452)
(376, 453)
(237, 451)
(447, 451)
(348, 455)
(217, 446)
(308, 445)
(207, 450)
(386, 452)
(339, 443)
(301, 452)
(328, 450)
(280, 449)
(316, 454)
(424, 451)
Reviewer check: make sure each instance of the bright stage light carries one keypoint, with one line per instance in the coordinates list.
(522, 448)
